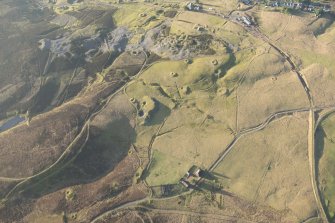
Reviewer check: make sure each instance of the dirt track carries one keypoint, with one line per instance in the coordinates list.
(253, 30)
(69, 154)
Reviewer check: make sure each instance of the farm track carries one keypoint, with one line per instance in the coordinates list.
(58, 165)
(315, 176)
(312, 127)
(254, 31)
(227, 150)
(68, 155)
(201, 214)
(150, 153)
(259, 127)
(133, 204)
(8, 179)
(323, 116)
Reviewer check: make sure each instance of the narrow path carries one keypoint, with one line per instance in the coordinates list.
(312, 161)
(8, 179)
(323, 116)
(150, 153)
(261, 126)
(70, 152)
(133, 204)
(244, 132)
(197, 213)
(253, 30)
(136, 204)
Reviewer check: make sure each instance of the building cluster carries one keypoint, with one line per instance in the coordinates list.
(293, 4)
(193, 6)
(304, 6)
(194, 173)
(245, 20)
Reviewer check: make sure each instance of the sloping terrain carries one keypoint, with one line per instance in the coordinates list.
(165, 111)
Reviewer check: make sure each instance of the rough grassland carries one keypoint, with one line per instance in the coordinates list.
(189, 100)
(309, 41)
(268, 76)
(325, 136)
(271, 167)
(129, 15)
(161, 172)
(322, 84)
(225, 6)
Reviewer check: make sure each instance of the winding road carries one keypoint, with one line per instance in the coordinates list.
(255, 31)
(311, 133)
(69, 154)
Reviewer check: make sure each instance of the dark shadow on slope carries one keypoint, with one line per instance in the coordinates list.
(320, 137)
(322, 28)
(159, 114)
(223, 69)
(207, 175)
(103, 151)
(45, 95)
